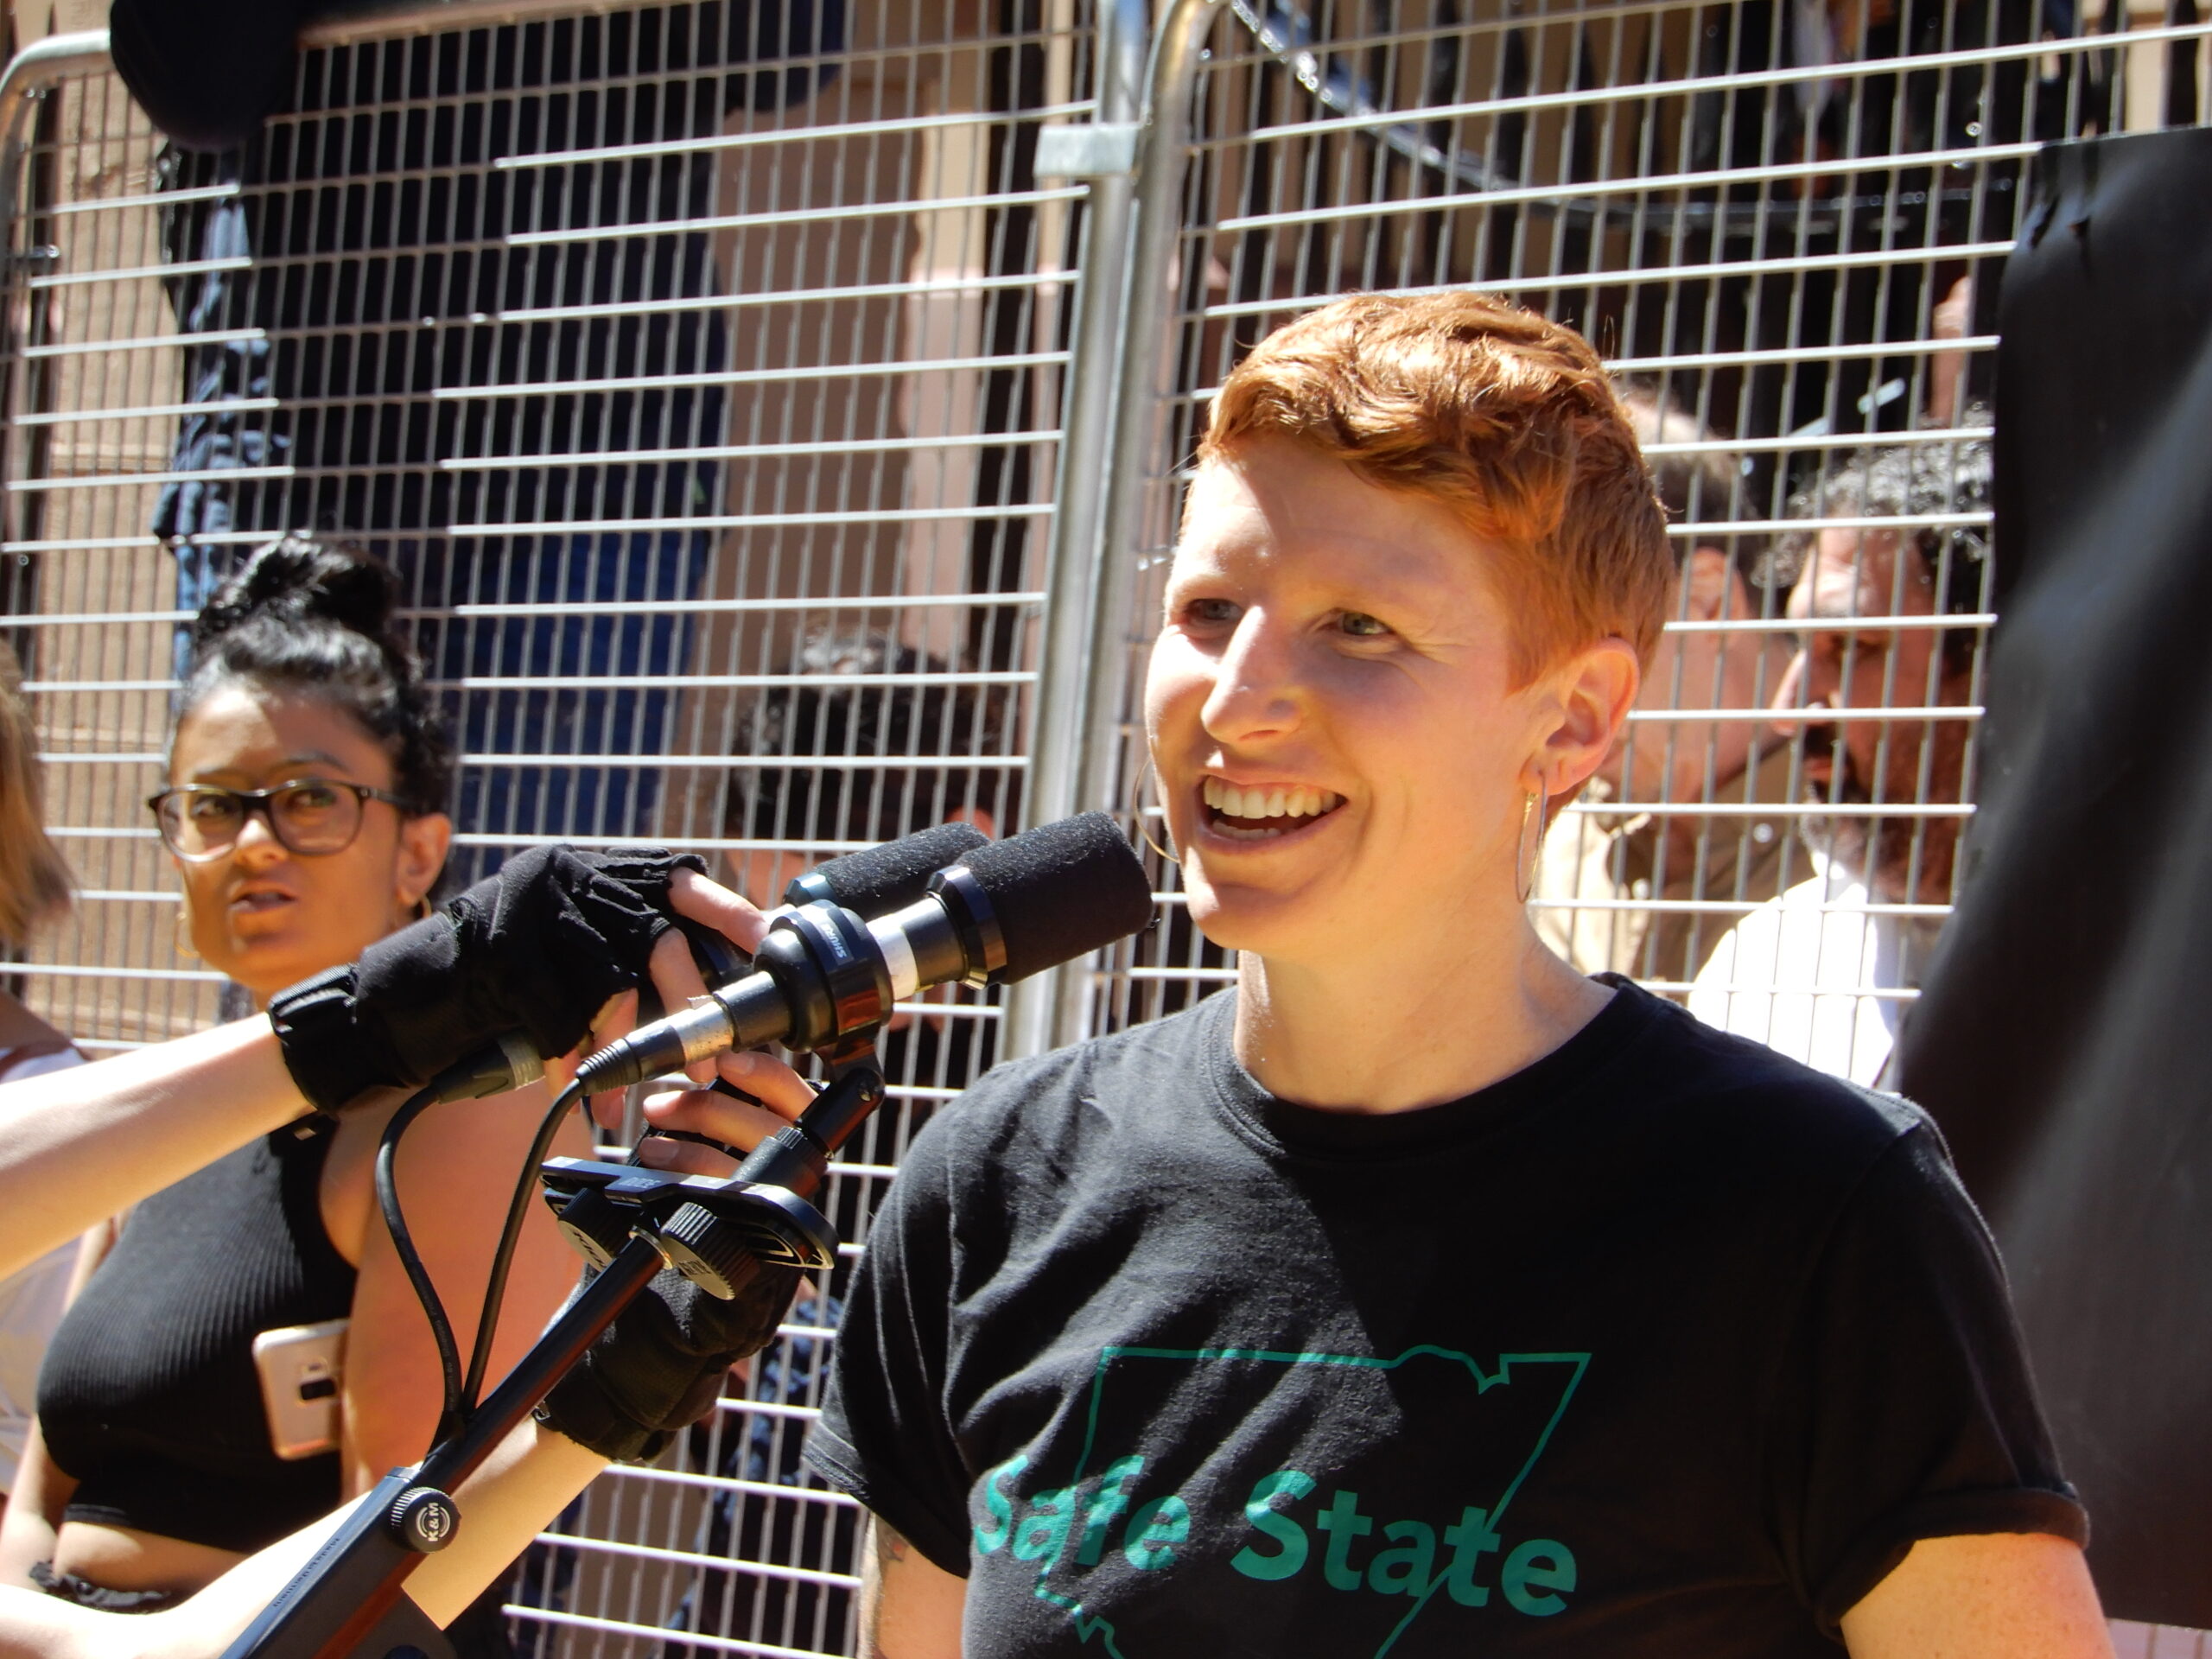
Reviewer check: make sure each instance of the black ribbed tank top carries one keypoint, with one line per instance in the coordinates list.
(149, 1395)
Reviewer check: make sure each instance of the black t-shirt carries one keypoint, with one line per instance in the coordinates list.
(1663, 1345)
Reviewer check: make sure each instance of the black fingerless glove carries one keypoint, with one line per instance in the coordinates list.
(537, 949)
(659, 1367)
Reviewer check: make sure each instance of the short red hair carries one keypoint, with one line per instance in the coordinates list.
(1507, 420)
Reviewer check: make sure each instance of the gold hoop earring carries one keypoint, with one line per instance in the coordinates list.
(184, 932)
(1137, 813)
(1535, 807)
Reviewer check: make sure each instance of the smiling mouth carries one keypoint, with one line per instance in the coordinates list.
(1264, 812)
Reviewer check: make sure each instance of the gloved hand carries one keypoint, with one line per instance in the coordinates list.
(659, 1367)
(537, 949)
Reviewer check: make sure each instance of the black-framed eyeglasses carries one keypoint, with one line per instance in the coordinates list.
(311, 817)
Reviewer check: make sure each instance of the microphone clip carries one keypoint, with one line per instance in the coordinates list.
(714, 1232)
(717, 1233)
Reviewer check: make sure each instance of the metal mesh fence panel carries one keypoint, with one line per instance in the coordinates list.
(699, 371)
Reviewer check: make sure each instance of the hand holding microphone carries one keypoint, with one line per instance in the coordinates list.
(1004, 911)
(530, 955)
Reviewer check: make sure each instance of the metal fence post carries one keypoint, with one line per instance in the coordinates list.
(29, 74)
(1052, 1009)
(1076, 554)
(1162, 152)
(31, 71)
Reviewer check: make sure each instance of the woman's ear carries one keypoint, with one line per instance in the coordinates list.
(1592, 695)
(1712, 588)
(424, 843)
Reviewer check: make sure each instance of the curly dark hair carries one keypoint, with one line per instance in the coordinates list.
(1908, 482)
(309, 618)
(882, 725)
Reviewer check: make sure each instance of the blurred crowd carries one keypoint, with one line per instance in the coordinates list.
(1775, 840)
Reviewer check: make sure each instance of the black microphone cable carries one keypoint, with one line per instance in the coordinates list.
(461, 1393)
(495, 1287)
(403, 1244)
(888, 876)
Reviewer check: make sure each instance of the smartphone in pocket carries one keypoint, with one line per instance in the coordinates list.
(300, 1367)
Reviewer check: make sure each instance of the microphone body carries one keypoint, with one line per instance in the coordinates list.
(1008, 910)
(895, 873)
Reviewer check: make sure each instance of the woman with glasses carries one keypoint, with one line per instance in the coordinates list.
(351, 1041)
(249, 1351)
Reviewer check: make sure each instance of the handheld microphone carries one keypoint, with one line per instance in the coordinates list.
(1006, 910)
(871, 881)
(886, 877)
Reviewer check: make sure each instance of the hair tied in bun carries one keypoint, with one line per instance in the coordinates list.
(313, 619)
(298, 578)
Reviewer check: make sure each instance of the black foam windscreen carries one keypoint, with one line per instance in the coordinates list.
(1061, 891)
(886, 878)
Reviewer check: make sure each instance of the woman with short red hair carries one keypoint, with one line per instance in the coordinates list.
(1418, 1294)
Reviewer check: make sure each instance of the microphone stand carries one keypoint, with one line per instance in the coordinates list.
(348, 1601)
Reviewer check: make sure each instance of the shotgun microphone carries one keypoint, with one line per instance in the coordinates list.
(871, 881)
(1005, 910)
(886, 877)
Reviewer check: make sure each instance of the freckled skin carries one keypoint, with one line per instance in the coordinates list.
(1324, 631)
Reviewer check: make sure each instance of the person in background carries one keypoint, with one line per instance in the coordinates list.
(1816, 961)
(308, 773)
(1626, 860)
(901, 735)
(1420, 1293)
(926, 1060)
(34, 886)
(810, 808)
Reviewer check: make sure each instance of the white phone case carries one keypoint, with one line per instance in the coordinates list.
(300, 1367)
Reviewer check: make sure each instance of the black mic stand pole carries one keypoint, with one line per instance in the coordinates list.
(348, 1602)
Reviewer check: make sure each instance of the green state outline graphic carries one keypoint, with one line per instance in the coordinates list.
(1087, 1623)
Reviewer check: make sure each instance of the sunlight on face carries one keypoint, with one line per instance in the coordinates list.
(1857, 573)
(267, 917)
(1328, 709)
(1841, 667)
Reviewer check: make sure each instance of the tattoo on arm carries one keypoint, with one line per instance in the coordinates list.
(889, 1544)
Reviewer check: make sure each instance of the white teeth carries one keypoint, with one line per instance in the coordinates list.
(1280, 801)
